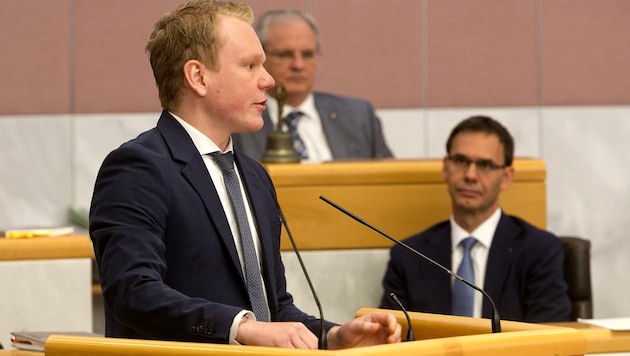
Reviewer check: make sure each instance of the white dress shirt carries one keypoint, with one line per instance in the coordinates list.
(479, 253)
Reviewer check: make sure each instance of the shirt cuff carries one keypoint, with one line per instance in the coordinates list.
(244, 314)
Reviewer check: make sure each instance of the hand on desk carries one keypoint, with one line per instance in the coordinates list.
(292, 335)
(369, 329)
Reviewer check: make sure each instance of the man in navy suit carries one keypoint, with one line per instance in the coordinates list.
(166, 239)
(332, 127)
(517, 264)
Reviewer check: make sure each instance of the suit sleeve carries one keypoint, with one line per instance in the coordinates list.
(546, 290)
(394, 281)
(128, 220)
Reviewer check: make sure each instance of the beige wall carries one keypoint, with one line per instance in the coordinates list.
(87, 56)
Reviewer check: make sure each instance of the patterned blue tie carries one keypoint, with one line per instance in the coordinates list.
(252, 270)
(464, 295)
(291, 121)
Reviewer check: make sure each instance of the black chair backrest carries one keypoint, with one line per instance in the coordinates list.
(577, 273)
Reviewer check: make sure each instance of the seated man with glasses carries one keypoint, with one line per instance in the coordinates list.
(517, 264)
(326, 126)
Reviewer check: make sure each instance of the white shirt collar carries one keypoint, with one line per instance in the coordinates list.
(483, 233)
(203, 144)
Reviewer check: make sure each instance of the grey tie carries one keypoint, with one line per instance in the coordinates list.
(464, 295)
(252, 270)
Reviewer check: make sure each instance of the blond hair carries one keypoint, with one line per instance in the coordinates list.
(189, 32)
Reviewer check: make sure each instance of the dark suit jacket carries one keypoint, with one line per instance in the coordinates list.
(167, 260)
(351, 127)
(524, 273)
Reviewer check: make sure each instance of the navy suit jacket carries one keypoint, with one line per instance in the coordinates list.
(351, 127)
(167, 262)
(524, 273)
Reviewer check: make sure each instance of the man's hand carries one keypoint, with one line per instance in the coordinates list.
(369, 329)
(291, 335)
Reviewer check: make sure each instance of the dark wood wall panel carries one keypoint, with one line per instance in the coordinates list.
(87, 56)
(482, 53)
(585, 52)
(34, 56)
(112, 71)
(372, 49)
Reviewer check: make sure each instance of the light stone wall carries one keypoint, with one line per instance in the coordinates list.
(51, 162)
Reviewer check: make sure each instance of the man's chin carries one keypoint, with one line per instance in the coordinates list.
(468, 205)
(252, 126)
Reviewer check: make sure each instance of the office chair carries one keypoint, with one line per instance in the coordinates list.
(577, 273)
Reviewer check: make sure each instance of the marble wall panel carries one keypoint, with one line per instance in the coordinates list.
(37, 181)
(589, 192)
(52, 163)
(96, 136)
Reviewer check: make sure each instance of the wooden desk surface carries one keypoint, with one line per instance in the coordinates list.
(38, 248)
(399, 197)
(15, 352)
(600, 340)
(543, 341)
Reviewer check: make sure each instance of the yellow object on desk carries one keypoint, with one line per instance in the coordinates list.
(31, 233)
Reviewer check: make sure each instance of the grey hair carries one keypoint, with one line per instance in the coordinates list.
(284, 15)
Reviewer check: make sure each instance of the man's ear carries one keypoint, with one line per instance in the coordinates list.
(508, 178)
(444, 168)
(195, 77)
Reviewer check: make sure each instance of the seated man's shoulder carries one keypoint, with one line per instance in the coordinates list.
(437, 230)
(531, 231)
(340, 99)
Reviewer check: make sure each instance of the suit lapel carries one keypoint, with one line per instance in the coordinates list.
(194, 170)
(439, 249)
(505, 244)
(330, 116)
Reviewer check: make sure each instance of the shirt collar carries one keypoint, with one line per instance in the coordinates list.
(483, 233)
(203, 144)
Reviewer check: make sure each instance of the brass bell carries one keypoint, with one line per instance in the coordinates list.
(279, 147)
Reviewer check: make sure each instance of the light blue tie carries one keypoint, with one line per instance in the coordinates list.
(252, 270)
(463, 295)
(292, 121)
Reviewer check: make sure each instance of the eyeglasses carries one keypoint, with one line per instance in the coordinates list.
(462, 162)
(307, 55)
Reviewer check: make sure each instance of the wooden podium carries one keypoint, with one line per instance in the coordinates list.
(47, 285)
(400, 197)
(438, 335)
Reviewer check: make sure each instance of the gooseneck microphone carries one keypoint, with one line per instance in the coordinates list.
(411, 336)
(323, 336)
(496, 321)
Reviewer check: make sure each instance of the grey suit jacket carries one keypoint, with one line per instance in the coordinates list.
(351, 127)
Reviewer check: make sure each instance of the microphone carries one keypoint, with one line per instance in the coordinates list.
(411, 336)
(496, 321)
(323, 336)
